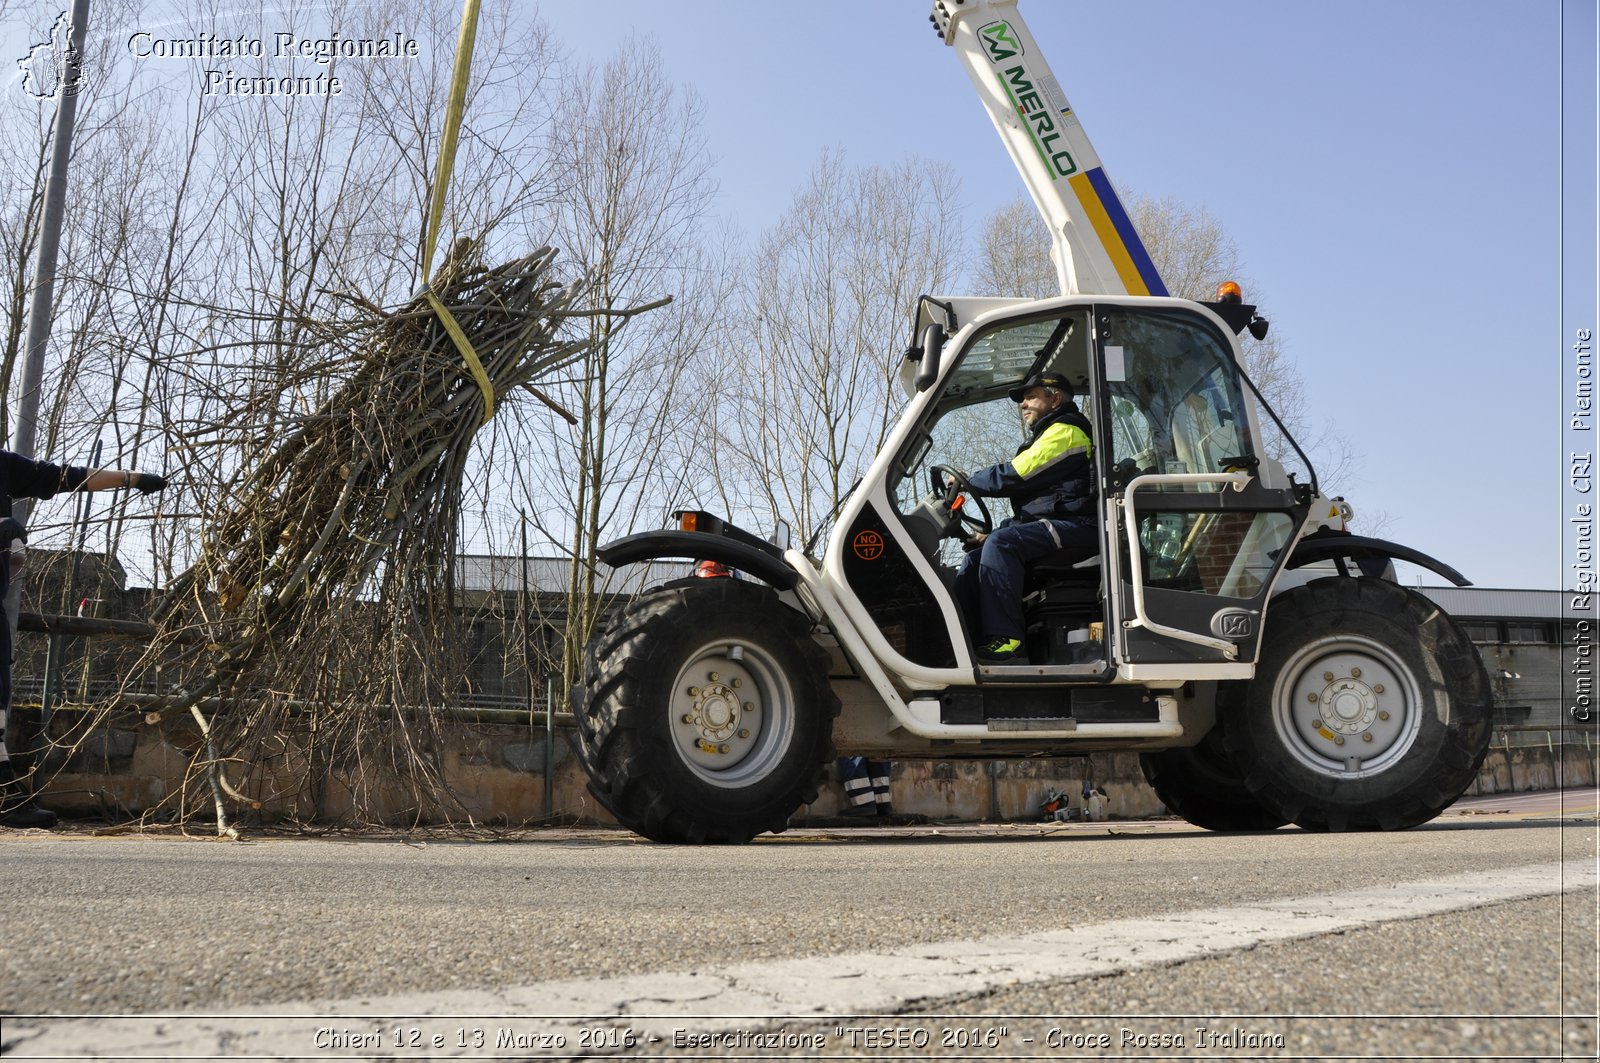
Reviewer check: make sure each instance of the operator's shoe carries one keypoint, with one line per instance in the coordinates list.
(1000, 651)
(860, 811)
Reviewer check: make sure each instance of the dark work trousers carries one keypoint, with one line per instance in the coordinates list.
(989, 582)
(865, 781)
(5, 676)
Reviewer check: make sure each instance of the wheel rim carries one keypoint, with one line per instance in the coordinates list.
(733, 713)
(1347, 707)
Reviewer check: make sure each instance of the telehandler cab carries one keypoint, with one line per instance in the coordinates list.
(709, 708)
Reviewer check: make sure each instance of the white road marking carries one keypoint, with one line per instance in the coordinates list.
(749, 996)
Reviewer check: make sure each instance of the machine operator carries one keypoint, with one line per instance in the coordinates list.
(1051, 486)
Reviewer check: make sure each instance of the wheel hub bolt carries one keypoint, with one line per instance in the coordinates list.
(1317, 724)
(737, 683)
(688, 718)
(722, 748)
(1367, 737)
(1377, 688)
(1384, 715)
(1311, 698)
(714, 677)
(1338, 740)
(1327, 677)
(744, 732)
(1355, 673)
(749, 706)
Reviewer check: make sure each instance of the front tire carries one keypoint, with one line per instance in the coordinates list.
(706, 716)
(1370, 709)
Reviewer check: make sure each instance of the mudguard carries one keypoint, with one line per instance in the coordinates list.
(764, 565)
(1331, 545)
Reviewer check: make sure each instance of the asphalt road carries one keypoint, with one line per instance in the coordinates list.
(1474, 935)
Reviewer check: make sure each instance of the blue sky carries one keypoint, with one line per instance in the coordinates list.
(1390, 171)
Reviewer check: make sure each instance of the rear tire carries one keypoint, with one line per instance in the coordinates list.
(1370, 709)
(1202, 785)
(706, 716)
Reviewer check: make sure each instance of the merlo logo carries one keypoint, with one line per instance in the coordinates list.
(1000, 41)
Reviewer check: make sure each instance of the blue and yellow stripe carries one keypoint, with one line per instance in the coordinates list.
(1117, 235)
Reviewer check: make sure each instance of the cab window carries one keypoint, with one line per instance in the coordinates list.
(1174, 401)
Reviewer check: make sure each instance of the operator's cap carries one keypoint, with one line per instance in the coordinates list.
(1042, 380)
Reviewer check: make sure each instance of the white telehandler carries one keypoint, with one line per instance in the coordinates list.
(709, 708)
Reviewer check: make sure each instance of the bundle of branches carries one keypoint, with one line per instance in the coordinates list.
(325, 579)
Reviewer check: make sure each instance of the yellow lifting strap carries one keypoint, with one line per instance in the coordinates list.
(441, 183)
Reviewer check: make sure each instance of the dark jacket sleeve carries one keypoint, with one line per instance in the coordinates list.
(1056, 449)
(27, 478)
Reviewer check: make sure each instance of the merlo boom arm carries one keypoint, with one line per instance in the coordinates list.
(1094, 246)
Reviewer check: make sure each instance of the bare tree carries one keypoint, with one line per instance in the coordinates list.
(630, 208)
(821, 327)
(1014, 255)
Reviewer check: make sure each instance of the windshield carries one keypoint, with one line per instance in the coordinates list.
(975, 422)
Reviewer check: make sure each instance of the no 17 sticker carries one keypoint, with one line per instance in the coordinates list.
(868, 545)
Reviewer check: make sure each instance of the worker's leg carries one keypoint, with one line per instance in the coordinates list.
(17, 808)
(878, 773)
(1003, 561)
(856, 778)
(966, 594)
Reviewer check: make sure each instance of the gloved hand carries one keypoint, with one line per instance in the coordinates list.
(148, 482)
(11, 529)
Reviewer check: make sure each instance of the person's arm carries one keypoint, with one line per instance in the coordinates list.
(30, 478)
(992, 481)
(1057, 444)
(112, 479)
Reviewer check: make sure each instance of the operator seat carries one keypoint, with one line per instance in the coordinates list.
(1061, 595)
(1066, 574)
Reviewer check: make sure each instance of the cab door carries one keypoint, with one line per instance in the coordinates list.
(1197, 538)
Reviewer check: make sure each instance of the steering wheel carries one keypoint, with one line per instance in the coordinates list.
(950, 483)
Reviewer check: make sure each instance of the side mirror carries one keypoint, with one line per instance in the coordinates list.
(928, 363)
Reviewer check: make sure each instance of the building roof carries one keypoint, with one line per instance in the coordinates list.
(1465, 603)
(487, 573)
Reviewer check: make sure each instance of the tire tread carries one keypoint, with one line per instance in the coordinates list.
(621, 667)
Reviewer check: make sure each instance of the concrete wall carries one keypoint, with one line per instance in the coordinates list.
(495, 775)
(997, 791)
(492, 774)
(1536, 765)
